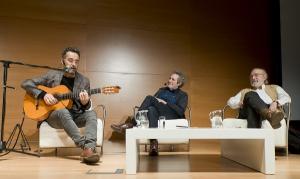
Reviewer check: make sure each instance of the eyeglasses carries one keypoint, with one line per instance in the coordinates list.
(255, 74)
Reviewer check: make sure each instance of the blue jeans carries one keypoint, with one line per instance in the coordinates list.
(71, 122)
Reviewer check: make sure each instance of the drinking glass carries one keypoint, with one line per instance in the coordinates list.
(162, 121)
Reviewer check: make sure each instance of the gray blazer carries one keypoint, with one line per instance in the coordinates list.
(53, 78)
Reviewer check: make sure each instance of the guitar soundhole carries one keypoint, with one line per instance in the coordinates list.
(58, 96)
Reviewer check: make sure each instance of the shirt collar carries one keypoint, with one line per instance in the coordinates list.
(262, 87)
(173, 91)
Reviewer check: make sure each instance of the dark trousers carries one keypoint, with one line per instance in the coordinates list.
(156, 109)
(252, 106)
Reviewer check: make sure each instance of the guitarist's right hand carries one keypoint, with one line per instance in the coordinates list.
(50, 99)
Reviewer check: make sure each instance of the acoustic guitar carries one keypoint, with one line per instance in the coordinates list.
(38, 110)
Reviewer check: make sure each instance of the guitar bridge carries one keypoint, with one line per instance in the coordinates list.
(37, 102)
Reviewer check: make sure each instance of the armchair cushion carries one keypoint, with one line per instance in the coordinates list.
(234, 123)
(279, 133)
(171, 124)
(51, 138)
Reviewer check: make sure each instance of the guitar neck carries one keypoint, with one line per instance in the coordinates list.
(75, 94)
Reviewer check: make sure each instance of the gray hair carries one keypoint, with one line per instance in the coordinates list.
(181, 78)
(265, 74)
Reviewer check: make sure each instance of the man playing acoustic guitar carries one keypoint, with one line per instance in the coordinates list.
(78, 115)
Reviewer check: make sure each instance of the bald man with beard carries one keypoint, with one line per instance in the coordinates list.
(260, 102)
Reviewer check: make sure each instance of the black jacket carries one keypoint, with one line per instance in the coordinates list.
(181, 100)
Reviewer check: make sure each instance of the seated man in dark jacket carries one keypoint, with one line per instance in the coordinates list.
(169, 101)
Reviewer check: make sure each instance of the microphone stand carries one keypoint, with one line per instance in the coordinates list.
(6, 64)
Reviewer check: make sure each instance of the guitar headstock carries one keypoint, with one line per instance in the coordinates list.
(110, 89)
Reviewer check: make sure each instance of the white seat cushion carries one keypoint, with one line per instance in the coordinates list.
(50, 137)
(234, 123)
(279, 134)
(171, 124)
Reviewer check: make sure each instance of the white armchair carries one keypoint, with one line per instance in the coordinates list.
(280, 134)
(57, 138)
(169, 124)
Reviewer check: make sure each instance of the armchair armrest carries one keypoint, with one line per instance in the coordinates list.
(102, 109)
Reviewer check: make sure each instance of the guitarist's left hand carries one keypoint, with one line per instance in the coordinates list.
(84, 97)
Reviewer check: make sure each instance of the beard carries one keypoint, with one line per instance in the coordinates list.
(256, 84)
(172, 87)
(70, 70)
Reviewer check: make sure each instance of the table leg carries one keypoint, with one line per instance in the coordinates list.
(258, 154)
(132, 154)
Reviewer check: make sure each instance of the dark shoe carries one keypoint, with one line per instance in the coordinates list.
(276, 126)
(153, 148)
(122, 127)
(89, 156)
(273, 117)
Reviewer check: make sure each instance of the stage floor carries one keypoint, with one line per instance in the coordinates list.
(202, 161)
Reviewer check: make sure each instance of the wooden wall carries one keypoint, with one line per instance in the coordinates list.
(136, 44)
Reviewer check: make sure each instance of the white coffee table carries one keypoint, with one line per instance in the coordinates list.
(251, 147)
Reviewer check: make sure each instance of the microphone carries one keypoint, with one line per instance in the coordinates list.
(68, 69)
(166, 84)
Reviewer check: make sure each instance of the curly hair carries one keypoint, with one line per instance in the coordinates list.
(70, 49)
